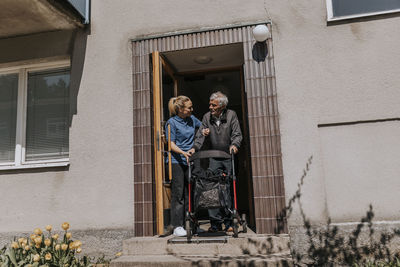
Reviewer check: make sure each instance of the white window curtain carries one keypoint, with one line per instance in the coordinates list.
(8, 116)
(47, 124)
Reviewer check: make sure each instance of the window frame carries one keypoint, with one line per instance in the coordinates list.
(20, 136)
(329, 8)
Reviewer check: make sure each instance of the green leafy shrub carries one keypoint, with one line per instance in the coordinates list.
(393, 263)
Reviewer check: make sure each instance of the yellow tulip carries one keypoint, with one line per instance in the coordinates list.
(64, 246)
(57, 247)
(28, 265)
(55, 236)
(37, 246)
(38, 231)
(65, 226)
(38, 240)
(47, 256)
(14, 245)
(68, 235)
(27, 247)
(47, 242)
(33, 236)
(21, 240)
(49, 227)
(78, 243)
(119, 254)
(72, 245)
(78, 250)
(36, 257)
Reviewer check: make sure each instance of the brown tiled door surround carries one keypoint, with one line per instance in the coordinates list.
(263, 123)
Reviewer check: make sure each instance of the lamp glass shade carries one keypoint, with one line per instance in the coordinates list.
(202, 59)
(260, 33)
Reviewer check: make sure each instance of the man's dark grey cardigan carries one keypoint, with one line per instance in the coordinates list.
(223, 136)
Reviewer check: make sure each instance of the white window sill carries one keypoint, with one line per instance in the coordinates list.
(35, 165)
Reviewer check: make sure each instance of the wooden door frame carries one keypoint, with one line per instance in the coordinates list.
(160, 64)
(158, 154)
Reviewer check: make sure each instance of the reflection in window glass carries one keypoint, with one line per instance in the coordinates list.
(47, 128)
(356, 7)
(8, 116)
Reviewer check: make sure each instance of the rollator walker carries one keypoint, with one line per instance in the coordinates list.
(205, 192)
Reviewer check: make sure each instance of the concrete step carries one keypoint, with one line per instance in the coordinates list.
(245, 244)
(278, 259)
(206, 249)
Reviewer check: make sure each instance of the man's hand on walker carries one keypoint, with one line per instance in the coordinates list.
(233, 149)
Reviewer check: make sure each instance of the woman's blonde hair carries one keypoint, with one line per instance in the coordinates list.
(175, 103)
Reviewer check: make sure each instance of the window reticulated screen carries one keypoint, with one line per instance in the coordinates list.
(47, 127)
(8, 116)
(357, 7)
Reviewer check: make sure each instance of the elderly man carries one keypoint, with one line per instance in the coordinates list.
(221, 125)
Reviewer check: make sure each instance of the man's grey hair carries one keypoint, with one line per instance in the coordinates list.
(222, 99)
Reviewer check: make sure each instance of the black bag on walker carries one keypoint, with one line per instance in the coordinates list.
(211, 189)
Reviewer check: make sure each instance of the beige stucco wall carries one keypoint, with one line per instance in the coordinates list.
(324, 74)
(361, 168)
(332, 74)
(96, 192)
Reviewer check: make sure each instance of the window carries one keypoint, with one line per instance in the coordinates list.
(345, 9)
(34, 116)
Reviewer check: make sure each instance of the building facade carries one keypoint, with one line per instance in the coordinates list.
(79, 132)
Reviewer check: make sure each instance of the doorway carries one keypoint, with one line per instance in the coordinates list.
(230, 48)
(197, 73)
(198, 87)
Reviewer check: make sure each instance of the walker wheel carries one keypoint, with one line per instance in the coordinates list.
(188, 230)
(235, 227)
(244, 223)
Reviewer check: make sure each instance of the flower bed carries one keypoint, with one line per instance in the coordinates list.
(40, 249)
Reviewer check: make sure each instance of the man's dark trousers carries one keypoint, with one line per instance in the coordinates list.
(219, 215)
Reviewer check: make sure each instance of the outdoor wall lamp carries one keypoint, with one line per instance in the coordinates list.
(261, 33)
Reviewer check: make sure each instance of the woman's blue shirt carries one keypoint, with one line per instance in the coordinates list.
(182, 134)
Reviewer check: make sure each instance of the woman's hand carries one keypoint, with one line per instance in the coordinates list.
(176, 149)
(186, 155)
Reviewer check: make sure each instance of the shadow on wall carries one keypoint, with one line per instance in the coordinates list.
(50, 46)
(365, 245)
(78, 52)
(37, 50)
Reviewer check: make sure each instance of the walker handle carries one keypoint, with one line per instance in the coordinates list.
(233, 165)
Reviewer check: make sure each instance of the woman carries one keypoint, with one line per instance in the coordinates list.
(183, 128)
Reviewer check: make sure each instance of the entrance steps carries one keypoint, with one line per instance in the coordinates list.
(207, 250)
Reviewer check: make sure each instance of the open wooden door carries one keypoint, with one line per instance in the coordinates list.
(165, 86)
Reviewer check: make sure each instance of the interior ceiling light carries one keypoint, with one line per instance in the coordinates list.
(202, 59)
